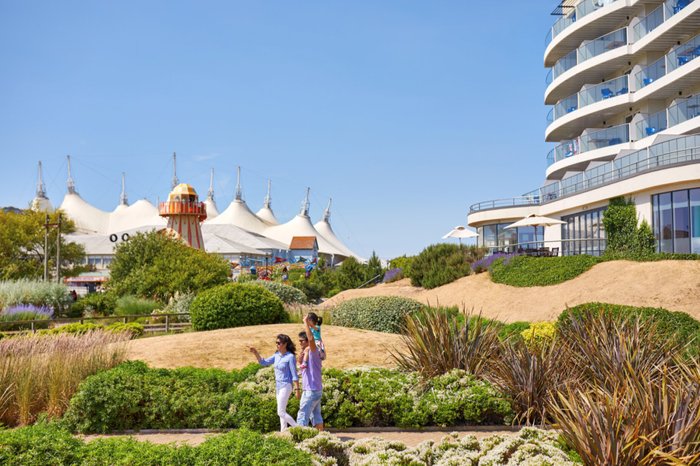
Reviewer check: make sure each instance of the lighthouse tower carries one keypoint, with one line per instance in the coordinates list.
(184, 213)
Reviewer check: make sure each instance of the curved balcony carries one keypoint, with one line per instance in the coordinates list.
(645, 126)
(680, 55)
(678, 24)
(580, 64)
(670, 153)
(591, 18)
(591, 94)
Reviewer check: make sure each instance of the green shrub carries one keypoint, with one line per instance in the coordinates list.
(94, 304)
(442, 263)
(312, 290)
(75, 328)
(51, 444)
(41, 444)
(513, 331)
(235, 305)
(404, 263)
(131, 305)
(132, 396)
(379, 313)
(287, 294)
(678, 327)
(527, 271)
(134, 328)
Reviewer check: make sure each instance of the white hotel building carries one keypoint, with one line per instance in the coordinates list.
(624, 87)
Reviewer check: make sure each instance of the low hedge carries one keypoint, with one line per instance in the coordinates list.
(440, 264)
(52, 444)
(678, 326)
(235, 305)
(524, 271)
(132, 396)
(134, 328)
(379, 313)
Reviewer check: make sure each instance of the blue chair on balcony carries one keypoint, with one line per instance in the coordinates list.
(607, 93)
(614, 141)
(647, 81)
(680, 4)
(622, 91)
(683, 59)
(571, 109)
(650, 130)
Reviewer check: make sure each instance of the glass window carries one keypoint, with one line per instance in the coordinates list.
(695, 221)
(584, 232)
(526, 237)
(681, 222)
(490, 236)
(665, 223)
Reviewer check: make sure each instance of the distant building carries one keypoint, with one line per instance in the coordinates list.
(304, 248)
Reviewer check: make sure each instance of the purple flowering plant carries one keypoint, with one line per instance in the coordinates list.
(392, 275)
(482, 265)
(26, 312)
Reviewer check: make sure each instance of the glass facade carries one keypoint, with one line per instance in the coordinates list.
(583, 233)
(497, 237)
(676, 221)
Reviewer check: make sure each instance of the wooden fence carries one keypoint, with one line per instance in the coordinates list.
(151, 323)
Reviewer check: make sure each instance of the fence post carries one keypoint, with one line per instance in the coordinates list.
(33, 328)
(124, 319)
(81, 321)
(167, 323)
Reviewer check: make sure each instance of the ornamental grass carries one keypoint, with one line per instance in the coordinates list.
(41, 373)
(635, 398)
(437, 341)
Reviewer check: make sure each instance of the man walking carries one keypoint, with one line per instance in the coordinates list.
(310, 405)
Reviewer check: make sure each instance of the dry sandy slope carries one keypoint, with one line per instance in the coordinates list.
(674, 285)
(228, 348)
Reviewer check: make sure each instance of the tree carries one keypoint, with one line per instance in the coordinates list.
(374, 267)
(156, 266)
(350, 274)
(22, 246)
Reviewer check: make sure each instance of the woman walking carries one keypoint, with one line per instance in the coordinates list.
(284, 361)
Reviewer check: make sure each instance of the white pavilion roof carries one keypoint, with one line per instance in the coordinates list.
(325, 229)
(301, 225)
(87, 218)
(267, 215)
(238, 214)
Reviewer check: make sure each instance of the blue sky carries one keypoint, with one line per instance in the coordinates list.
(404, 112)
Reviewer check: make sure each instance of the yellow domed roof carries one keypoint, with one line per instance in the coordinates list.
(183, 192)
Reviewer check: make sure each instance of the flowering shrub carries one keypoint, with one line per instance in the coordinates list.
(379, 313)
(19, 312)
(539, 334)
(530, 446)
(392, 275)
(484, 264)
(540, 271)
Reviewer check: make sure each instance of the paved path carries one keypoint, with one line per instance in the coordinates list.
(409, 437)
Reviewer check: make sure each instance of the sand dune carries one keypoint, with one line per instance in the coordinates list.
(674, 285)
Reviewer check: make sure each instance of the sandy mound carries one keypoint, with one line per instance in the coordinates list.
(228, 348)
(673, 285)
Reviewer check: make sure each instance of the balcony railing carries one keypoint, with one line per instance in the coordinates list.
(503, 203)
(605, 137)
(591, 94)
(678, 151)
(565, 106)
(563, 64)
(564, 150)
(584, 8)
(651, 124)
(649, 23)
(684, 110)
(169, 208)
(590, 49)
(648, 126)
(601, 45)
(679, 56)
